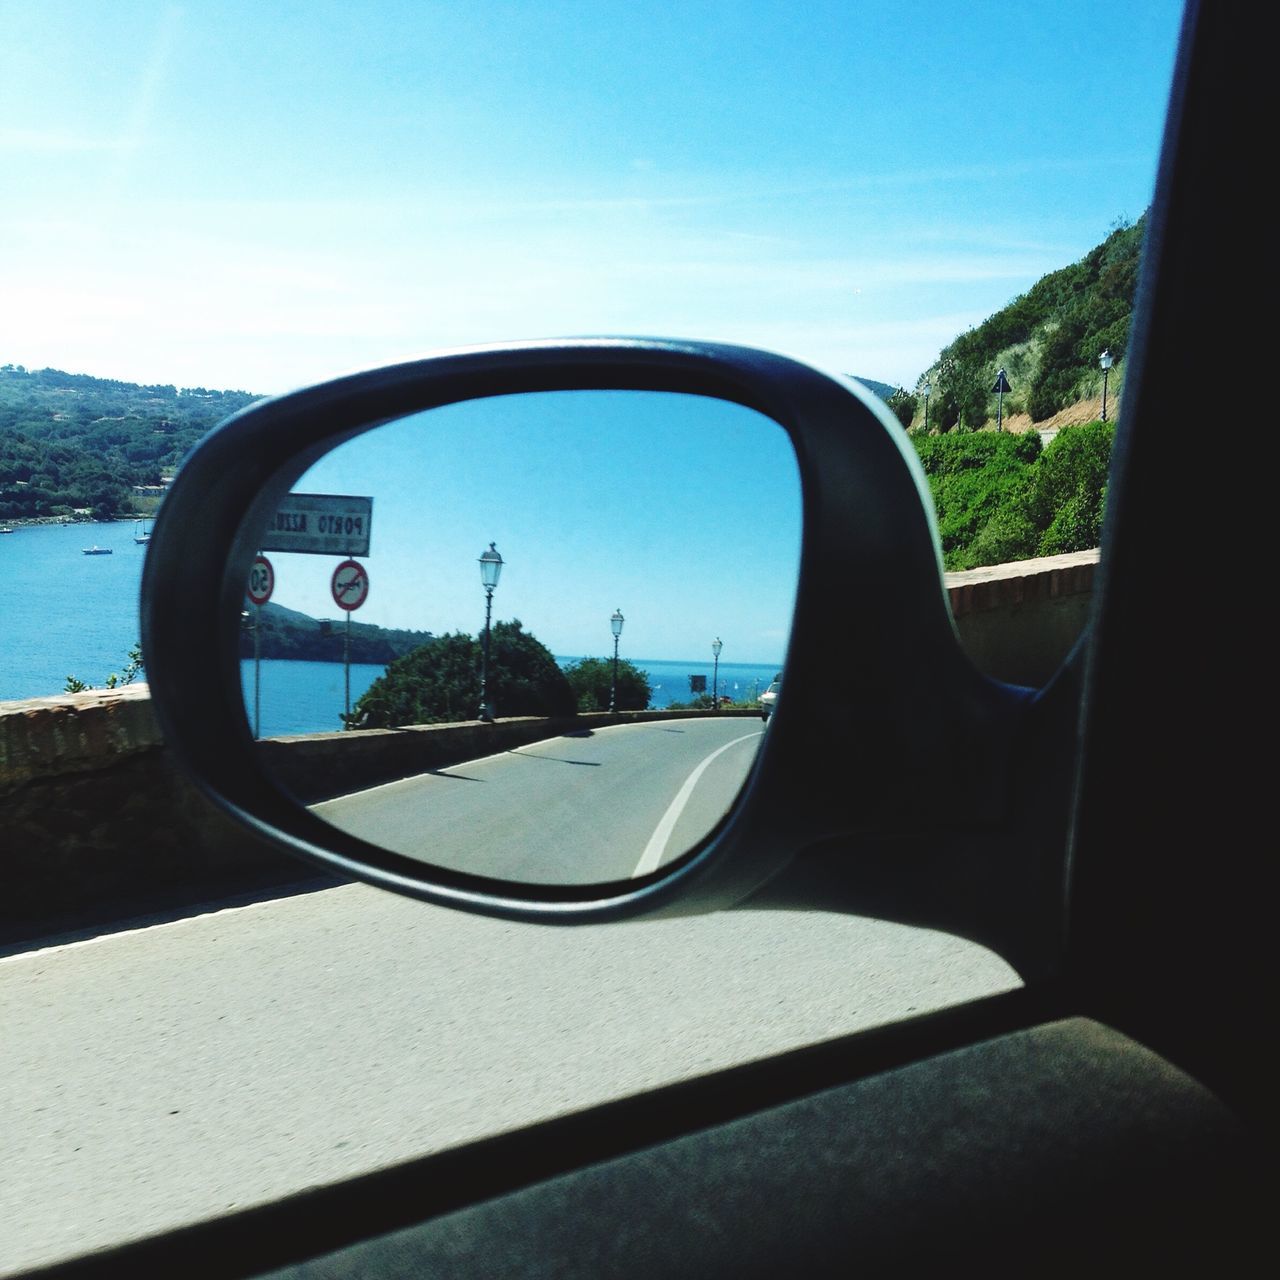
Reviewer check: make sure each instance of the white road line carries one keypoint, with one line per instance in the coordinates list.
(651, 858)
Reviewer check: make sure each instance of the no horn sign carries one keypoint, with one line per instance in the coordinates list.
(350, 585)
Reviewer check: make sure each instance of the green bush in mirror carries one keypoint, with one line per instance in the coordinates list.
(592, 681)
(439, 682)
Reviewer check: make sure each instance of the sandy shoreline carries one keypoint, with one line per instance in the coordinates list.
(26, 522)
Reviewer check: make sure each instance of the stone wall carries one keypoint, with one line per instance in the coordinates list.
(100, 826)
(1018, 621)
(97, 825)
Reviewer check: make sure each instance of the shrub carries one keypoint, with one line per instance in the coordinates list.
(1005, 497)
(591, 680)
(439, 681)
(702, 702)
(1055, 379)
(1007, 535)
(1069, 494)
(972, 477)
(1077, 527)
(902, 404)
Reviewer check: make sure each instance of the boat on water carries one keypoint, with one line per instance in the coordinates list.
(6, 530)
(141, 534)
(95, 550)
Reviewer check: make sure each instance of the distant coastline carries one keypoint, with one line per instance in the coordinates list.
(31, 522)
(287, 634)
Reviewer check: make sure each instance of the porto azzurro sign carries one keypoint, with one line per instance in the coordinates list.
(320, 524)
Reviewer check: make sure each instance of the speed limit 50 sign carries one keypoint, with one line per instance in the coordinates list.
(262, 581)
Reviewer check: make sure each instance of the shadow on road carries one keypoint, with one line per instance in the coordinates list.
(159, 906)
(524, 755)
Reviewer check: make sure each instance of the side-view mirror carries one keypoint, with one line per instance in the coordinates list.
(492, 753)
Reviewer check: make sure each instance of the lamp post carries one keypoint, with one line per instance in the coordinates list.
(716, 646)
(615, 624)
(1106, 362)
(490, 571)
(925, 392)
(247, 620)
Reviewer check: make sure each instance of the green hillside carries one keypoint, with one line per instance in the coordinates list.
(1047, 340)
(286, 633)
(70, 441)
(1008, 496)
(289, 634)
(883, 389)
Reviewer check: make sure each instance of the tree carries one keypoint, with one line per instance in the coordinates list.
(946, 400)
(1059, 368)
(973, 396)
(592, 680)
(439, 681)
(960, 393)
(902, 404)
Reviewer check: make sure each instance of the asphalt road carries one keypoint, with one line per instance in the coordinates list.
(158, 1077)
(589, 807)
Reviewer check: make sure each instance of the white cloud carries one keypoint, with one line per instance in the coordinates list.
(59, 141)
(272, 294)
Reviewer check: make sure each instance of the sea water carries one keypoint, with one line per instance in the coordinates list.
(63, 613)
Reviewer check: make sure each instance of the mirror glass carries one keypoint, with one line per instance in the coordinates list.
(527, 636)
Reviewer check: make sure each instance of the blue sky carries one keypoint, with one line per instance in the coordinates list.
(681, 511)
(262, 195)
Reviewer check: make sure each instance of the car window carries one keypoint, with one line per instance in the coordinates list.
(206, 205)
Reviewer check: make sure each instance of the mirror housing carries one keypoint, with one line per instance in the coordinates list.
(913, 739)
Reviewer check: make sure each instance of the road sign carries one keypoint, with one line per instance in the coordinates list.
(1002, 384)
(350, 585)
(262, 581)
(697, 684)
(320, 524)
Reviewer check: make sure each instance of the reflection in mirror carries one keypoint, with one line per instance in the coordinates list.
(527, 636)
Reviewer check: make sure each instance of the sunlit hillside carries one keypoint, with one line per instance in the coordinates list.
(1048, 341)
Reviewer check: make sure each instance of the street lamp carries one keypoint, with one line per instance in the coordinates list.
(925, 391)
(615, 624)
(247, 620)
(716, 646)
(1106, 362)
(490, 571)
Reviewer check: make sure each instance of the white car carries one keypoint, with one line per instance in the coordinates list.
(769, 699)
